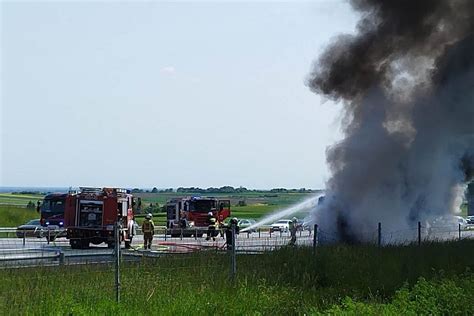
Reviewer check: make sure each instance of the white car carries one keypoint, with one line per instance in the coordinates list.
(282, 225)
(470, 219)
(446, 223)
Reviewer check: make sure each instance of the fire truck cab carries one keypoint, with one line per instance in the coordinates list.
(96, 212)
(189, 216)
(52, 213)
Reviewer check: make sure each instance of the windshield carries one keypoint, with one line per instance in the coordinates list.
(53, 206)
(282, 222)
(202, 206)
(33, 222)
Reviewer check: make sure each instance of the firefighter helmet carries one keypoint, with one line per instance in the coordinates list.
(148, 216)
(295, 219)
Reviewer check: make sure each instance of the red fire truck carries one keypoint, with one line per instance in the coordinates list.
(189, 216)
(96, 212)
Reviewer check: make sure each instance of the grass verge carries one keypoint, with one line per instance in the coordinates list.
(435, 278)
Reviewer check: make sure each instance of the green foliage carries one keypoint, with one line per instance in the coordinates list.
(30, 205)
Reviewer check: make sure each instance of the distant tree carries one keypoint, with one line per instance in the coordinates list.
(279, 190)
(154, 190)
(242, 203)
(137, 190)
(30, 205)
(241, 189)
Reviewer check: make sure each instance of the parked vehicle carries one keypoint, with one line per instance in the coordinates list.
(445, 224)
(32, 228)
(470, 220)
(282, 225)
(462, 221)
(245, 222)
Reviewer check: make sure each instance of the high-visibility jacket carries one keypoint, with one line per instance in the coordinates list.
(212, 222)
(148, 226)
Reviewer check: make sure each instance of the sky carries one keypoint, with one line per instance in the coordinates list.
(166, 94)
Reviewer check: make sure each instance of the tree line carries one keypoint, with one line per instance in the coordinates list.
(225, 189)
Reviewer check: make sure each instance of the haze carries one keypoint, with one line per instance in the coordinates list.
(165, 94)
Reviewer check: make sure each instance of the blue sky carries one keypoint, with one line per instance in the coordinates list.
(165, 94)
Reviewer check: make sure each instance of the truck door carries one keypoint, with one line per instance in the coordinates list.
(223, 209)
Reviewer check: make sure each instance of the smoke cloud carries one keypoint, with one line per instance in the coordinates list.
(407, 84)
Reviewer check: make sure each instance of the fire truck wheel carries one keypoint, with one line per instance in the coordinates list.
(96, 241)
(75, 243)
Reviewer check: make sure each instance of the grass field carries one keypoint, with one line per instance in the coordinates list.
(12, 216)
(434, 279)
(19, 199)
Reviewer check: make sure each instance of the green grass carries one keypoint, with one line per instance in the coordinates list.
(349, 280)
(12, 216)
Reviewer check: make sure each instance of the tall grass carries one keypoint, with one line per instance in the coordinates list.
(434, 278)
(12, 216)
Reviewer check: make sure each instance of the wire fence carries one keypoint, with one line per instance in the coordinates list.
(23, 247)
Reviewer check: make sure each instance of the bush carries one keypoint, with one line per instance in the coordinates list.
(30, 205)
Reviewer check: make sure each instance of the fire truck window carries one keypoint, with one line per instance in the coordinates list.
(202, 206)
(53, 206)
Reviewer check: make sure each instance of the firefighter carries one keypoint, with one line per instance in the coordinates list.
(148, 229)
(132, 230)
(209, 216)
(233, 224)
(212, 229)
(183, 222)
(293, 228)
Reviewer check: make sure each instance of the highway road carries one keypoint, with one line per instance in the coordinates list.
(35, 251)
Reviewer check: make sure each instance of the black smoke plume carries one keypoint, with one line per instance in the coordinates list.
(406, 80)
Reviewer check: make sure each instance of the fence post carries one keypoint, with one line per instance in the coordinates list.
(315, 237)
(24, 236)
(166, 232)
(49, 235)
(181, 237)
(281, 232)
(233, 253)
(195, 234)
(379, 237)
(259, 232)
(459, 230)
(419, 233)
(61, 258)
(117, 262)
(270, 232)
